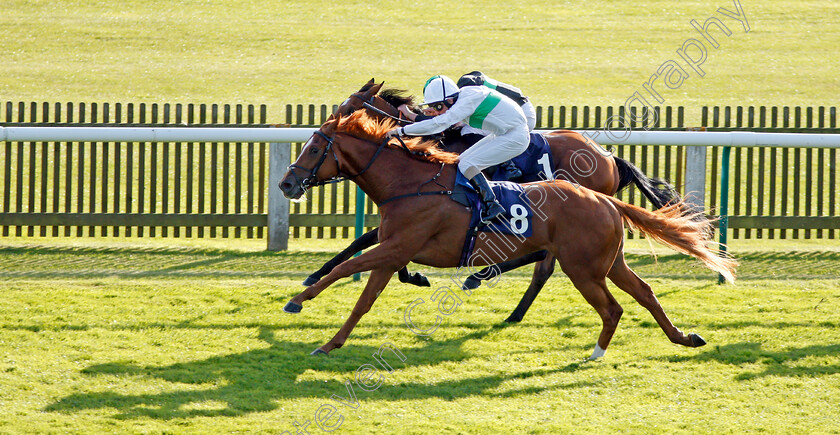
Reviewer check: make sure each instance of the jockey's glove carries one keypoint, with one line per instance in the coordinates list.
(395, 132)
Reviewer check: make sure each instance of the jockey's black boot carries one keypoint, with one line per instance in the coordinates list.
(492, 209)
(511, 171)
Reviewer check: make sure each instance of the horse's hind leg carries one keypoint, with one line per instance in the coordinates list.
(364, 241)
(542, 271)
(627, 280)
(490, 272)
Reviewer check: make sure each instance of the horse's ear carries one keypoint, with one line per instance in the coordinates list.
(367, 85)
(370, 90)
(330, 126)
(375, 88)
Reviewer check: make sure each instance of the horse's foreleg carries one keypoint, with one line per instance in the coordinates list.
(365, 241)
(377, 281)
(490, 272)
(542, 271)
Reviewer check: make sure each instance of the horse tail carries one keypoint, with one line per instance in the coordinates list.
(686, 233)
(658, 191)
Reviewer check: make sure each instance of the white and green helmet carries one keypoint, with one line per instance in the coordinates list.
(437, 89)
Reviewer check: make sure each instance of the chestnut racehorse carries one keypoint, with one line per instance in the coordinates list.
(577, 159)
(581, 228)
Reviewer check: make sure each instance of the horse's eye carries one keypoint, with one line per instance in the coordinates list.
(314, 151)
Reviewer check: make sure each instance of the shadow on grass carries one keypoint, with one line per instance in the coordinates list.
(253, 381)
(782, 363)
(50, 262)
(47, 262)
(772, 265)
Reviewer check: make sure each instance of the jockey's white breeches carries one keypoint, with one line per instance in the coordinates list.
(530, 115)
(493, 149)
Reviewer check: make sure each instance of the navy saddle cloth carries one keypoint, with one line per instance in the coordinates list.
(536, 163)
(517, 220)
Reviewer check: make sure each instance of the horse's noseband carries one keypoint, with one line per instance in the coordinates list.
(312, 179)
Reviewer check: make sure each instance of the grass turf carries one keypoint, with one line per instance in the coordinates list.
(559, 53)
(188, 337)
(163, 336)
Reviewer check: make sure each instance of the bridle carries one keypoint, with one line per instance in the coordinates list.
(368, 104)
(312, 179)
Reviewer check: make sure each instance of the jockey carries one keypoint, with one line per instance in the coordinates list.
(477, 78)
(479, 107)
(470, 134)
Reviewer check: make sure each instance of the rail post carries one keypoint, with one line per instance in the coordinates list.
(360, 222)
(279, 158)
(695, 175)
(724, 203)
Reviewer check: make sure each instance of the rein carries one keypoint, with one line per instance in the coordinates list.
(411, 152)
(312, 179)
(368, 104)
(373, 108)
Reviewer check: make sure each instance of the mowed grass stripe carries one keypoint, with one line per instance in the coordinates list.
(44, 261)
(209, 354)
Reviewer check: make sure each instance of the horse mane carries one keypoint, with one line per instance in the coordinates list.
(393, 96)
(396, 97)
(363, 126)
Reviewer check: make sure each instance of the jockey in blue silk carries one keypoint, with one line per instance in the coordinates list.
(479, 107)
(470, 134)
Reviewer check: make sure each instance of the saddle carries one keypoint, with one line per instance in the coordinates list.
(517, 218)
(536, 163)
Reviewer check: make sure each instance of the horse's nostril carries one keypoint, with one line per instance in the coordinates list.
(285, 185)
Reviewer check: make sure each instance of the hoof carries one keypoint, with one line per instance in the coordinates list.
(417, 279)
(292, 308)
(310, 280)
(696, 340)
(318, 351)
(513, 319)
(471, 283)
(420, 280)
